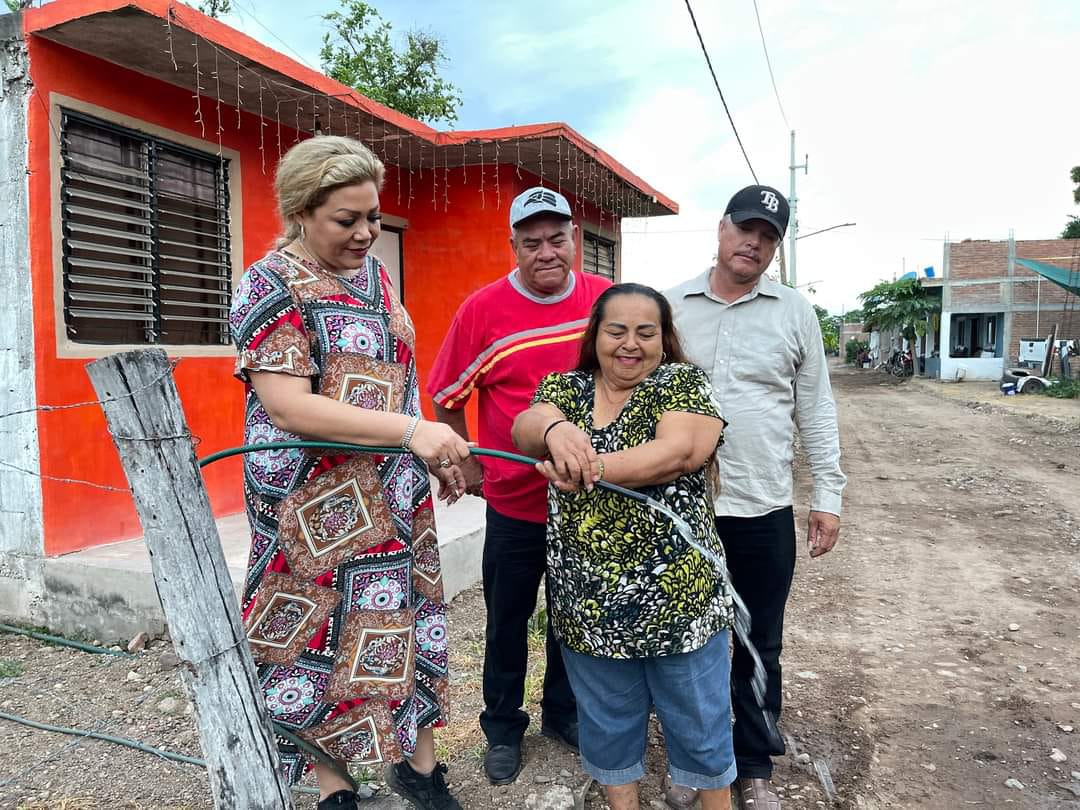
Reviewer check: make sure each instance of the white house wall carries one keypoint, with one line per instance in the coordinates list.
(967, 368)
(21, 538)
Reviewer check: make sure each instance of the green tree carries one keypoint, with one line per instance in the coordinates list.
(830, 333)
(359, 52)
(215, 8)
(852, 349)
(904, 305)
(853, 315)
(1072, 229)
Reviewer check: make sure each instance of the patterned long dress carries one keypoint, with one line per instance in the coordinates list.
(343, 601)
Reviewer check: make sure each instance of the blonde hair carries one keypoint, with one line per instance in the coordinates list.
(308, 173)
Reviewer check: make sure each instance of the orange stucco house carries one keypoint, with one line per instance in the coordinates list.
(149, 134)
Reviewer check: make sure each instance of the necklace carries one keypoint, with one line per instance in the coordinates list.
(607, 410)
(303, 248)
(309, 256)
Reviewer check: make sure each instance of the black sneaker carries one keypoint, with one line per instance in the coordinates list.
(424, 792)
(342, 800)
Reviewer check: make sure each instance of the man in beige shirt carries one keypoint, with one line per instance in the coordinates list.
(760, 343)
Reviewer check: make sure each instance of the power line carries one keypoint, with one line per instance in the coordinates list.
(823, 230)
(250, 12)
(708, 62)
(768, 62)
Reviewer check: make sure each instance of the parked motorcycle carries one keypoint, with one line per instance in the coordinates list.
(900, 364)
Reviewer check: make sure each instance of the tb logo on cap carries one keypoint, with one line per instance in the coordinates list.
(770, 201)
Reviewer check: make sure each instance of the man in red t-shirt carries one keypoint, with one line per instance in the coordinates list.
(504, 338)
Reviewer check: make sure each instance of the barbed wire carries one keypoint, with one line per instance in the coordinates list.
(60, 480)
(46, 408)
(195, 440)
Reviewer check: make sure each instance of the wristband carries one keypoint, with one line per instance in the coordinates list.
(600, 461)
(549, 427)
(406, 438)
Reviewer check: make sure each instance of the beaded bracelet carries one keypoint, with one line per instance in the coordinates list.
(406, 438)
(600, 477)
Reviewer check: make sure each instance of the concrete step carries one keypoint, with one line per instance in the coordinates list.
(108, 593)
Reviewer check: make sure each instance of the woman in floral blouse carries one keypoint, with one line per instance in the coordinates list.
(641, 616)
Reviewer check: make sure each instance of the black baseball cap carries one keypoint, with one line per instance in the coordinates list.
(760, 202)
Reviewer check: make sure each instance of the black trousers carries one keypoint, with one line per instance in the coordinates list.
(761, 559)
(514, 560)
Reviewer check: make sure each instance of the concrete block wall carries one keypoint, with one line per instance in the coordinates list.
(979, 280)
(975, 295)
(984, 260)
(1027, 324)
(978, 259)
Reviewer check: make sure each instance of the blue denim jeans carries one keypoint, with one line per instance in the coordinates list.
(691, 694)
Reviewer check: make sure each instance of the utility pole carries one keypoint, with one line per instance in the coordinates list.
(793, 201)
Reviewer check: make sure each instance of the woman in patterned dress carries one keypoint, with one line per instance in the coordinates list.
(343, 602)
(641, 616)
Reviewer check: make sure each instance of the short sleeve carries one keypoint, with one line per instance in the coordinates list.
(267, 327)
(685, 388)
(557, 390)
(457, 369)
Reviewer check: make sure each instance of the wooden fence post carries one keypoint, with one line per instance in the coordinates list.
(145, 418)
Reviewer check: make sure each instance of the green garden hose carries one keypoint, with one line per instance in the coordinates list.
(385, 451)
(680, 525)
(125, 741)
(742, 614)
(65, 642)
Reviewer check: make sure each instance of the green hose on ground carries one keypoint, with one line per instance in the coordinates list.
(65, 642)
(125, 741)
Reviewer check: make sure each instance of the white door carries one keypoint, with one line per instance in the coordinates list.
(388, 248)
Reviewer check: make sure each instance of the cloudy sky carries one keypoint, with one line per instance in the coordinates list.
(921, 119)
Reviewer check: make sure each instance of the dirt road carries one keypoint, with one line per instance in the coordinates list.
(934, 655)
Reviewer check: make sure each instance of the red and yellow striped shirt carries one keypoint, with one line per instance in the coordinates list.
(501, 343)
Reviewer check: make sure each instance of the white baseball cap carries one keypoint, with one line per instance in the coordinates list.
(538, 200)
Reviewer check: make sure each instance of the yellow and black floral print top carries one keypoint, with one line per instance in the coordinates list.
(623, 583)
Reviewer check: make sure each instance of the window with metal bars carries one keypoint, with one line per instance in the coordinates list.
(599, 255)
(145, 237)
